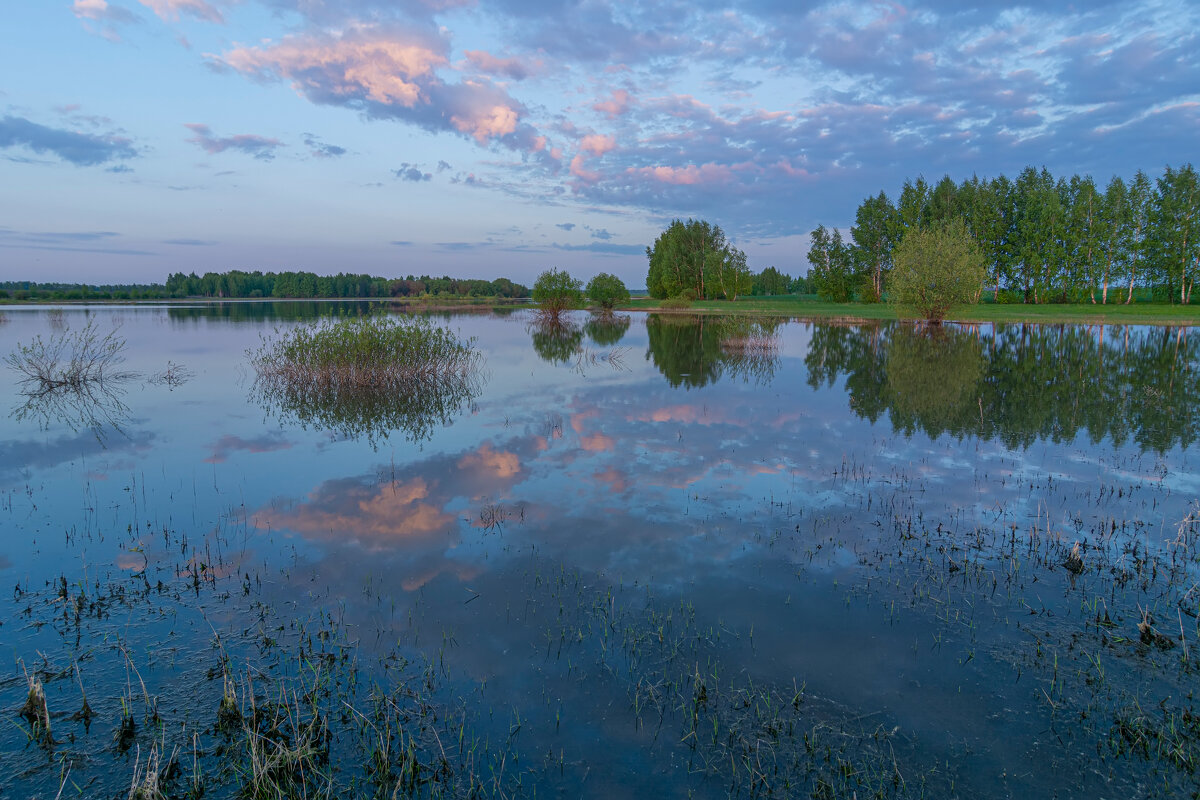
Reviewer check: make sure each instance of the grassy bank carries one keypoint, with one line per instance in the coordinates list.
(809, 307)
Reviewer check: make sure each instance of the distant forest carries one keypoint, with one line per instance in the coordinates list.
(1043, 239)
(239, 284)
(301, 285)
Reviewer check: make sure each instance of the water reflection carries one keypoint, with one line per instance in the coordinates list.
(694, 351)
(606, 330)
(1018, 383)
(276, 310)
(593, 541)
(96, 406)
(556, 339)
(415, 408)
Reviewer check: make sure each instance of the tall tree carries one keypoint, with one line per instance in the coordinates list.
(1114, 231)
(1141, 198)
(943, 202)
(1082, 235)
(912, 208)
(832, 270)
(1176, 231)
(874, 226)
(771, 281)
(686, 256)
(1038, 232)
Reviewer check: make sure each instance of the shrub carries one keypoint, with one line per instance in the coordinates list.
(555, 291)
(70, 360)
(367, 375)
(607, 291)
(936, 269)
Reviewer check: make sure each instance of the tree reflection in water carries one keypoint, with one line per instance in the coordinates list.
(606, 330)
(1019, 383)
(94, 405)
(416, 407)
(696, 350)
(556, 338)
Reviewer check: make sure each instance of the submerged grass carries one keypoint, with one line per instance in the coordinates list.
(367, 376)
(374, 352)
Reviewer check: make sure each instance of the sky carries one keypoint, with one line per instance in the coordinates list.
(487, 138)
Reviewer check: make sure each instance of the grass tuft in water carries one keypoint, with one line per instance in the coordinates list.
(368, 375)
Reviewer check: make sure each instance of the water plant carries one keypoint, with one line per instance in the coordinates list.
(366, 376)
(70, 361)
(555, 291)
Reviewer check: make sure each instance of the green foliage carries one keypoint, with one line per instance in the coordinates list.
(1018, 383)
(832, 272)
(873, 233)
(367, 376)
(1175, 225)
(1051, 240)
(606, 330)
(935, 270)
(555, 291)
(607, 291)
(556, 340)
(676, 303)
(695, 255)
(771, 282)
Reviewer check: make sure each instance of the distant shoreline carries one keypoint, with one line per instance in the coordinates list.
(795, 306)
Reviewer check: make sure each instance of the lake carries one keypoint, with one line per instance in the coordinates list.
(662, 555)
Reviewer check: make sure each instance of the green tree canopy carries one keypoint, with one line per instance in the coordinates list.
(607, 291)
(555, 291)
(832, 270)
(771, 281)
(695, 257)
(936, 269)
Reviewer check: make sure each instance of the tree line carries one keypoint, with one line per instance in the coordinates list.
(236, 283)
(695, 261)
(1043, 239)
(241, 284)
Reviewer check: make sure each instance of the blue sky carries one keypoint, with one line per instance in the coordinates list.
(480, 138)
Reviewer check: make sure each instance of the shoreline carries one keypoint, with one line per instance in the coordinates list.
(794, 307)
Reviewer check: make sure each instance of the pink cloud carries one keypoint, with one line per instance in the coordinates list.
(597, 443)
(260, 147)
(487, 123)
(597, 144)
(384, 68)
(615, 480)
(493, 65)
(390, 73)
(90, 9)
(376, 516)
(500, 463)
(784, 166)
(691, 175)
(615, 106)
(171, 9)
(688, 414)
(582, 172)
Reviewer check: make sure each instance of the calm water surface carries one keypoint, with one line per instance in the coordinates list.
(668, 555)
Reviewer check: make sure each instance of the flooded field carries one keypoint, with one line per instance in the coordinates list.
(652, 556)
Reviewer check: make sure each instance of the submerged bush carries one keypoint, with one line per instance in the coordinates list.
(368, 375)
(70, 360)
(75, 378)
